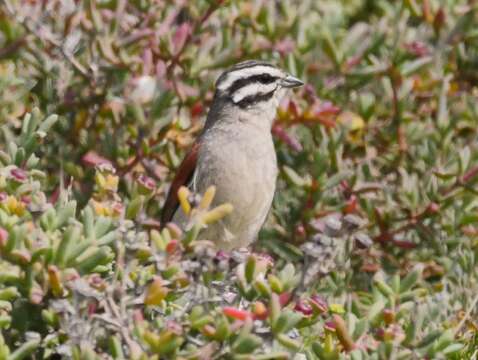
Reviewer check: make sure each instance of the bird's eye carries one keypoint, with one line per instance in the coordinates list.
(266, 79)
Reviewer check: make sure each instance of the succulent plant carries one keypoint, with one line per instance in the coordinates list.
(370, 250)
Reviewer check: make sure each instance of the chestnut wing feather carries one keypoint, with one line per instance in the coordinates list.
(183, 177)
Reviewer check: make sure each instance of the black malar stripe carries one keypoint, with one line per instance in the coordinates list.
(254, 99)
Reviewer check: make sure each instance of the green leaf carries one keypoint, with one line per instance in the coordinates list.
(93, 257)
(361, 327)
(70, 238)
(48, 123)
(246, 343)
(288, 342)
(292, 177)
(48, 220)
(386, 290)
(452, 349)
(414, 66)
(410, 280)
(25, 350)
(250, 268)
(102, 226)
(88, 222)
(115, 347)
(286, 321)
(9, 293)
(375, 310)
(65, 213)
(134, 207)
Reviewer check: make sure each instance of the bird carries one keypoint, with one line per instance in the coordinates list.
(235, 153)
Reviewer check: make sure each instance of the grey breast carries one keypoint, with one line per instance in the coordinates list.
(244, 172)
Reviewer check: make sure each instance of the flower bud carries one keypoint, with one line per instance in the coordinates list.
(54, 281)
(433, 208)
(303, 307)
(260, 311)
(388, 316)
(19, 175)
(319, 303)
(146, 184)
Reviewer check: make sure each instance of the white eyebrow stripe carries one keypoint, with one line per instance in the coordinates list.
(248, 72)
(252, 89)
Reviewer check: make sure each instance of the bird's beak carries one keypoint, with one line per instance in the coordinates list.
(291, 82)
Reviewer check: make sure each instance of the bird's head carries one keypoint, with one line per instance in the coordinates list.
(254, 86)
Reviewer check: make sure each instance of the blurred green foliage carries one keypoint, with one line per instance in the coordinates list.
(370, 250)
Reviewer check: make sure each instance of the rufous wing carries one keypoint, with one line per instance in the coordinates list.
(183, 177)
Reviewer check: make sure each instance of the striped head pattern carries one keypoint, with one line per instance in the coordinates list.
(254, 82)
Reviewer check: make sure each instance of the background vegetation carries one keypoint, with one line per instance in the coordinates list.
(371, 248)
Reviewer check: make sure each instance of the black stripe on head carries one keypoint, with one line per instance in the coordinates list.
(261, 78)
(254, 99)
(243, 66)
(249, 63)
